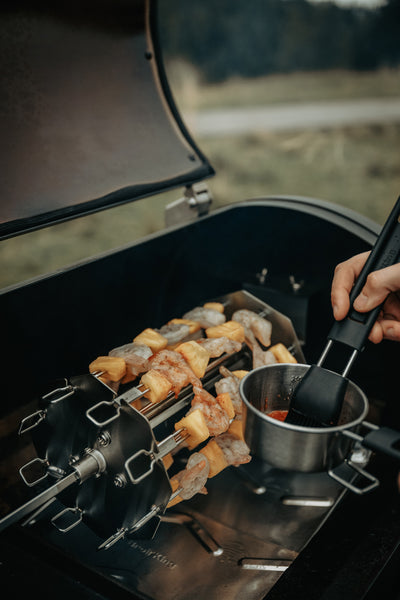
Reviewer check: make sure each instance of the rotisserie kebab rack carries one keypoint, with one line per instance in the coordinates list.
(106, 448)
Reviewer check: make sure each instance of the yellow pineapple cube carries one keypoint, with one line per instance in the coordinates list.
(196, 427)
(240, 373)
(236, 429)
(112, 367)
(282, 354)
(195, 355)
(215, 456)
(225, 402)
(151, 338)
(215, 306)
(193, 325)
(229, 329)
(168, 460)
(158, 385)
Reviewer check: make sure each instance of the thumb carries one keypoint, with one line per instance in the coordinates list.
(377, 287)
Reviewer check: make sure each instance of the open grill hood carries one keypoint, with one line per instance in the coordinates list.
(88, 123)
(87, 118)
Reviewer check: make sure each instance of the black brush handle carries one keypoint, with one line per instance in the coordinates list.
(383, 440)
(354, 329)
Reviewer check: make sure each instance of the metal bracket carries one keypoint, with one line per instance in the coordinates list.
(145, 460)
(59, 394)
(108, 412)
(373, 482)
(195, 203)
(53, 397)
(35, 462)
(67, 519)
(31, 421)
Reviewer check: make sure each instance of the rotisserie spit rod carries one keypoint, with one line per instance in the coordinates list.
(92, 463)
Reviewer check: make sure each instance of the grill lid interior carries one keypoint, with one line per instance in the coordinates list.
(87, 118)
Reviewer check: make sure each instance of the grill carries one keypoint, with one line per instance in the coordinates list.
(96, 522)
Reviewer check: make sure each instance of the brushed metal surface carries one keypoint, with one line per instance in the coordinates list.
(257, 533)
(290, 446)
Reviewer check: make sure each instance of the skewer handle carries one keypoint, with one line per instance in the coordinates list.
(353, 331)
(38, 501)
(90, 464)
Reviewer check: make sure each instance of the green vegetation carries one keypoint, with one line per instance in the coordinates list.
(193, 94)
(357, 167)
(231, 38)
(354, 167)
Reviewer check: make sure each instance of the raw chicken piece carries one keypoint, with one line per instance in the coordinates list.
(174, 367)
(216, 418)
(236, 451)
(260, 357)
(135, 356)
(174, 332)
(207, 317)
(260, 327)
(192, 479)
(230, 384)
(226, 449)
(221, 451)
(217, 346)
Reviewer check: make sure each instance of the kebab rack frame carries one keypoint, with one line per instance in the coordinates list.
(99, 455)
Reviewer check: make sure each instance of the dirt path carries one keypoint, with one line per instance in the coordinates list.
(317, 115)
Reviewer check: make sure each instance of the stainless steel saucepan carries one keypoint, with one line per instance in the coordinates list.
(308, 449)
(295, 445)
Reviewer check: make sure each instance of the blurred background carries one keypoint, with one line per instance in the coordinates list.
(284, 97)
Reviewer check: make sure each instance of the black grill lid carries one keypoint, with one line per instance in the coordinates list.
(87, 119)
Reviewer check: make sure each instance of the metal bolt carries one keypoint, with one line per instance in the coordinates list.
(262, 276)
(120, 480)
(296, 285)
(55, 471)
(104, 439)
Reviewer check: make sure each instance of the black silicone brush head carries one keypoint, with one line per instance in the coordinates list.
(317, 399)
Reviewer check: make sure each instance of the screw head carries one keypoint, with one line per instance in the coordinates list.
(120, 480)
(104, 439)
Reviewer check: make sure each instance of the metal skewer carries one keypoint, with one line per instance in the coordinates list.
(92, 463)
(38, 501)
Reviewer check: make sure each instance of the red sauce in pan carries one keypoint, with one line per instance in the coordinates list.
(280, 415)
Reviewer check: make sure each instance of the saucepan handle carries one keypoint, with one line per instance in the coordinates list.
(379, 439)
(372, 481)
(383, 440)
(355, 328)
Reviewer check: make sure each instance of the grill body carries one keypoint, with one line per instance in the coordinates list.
(280, 249)
(57, 324)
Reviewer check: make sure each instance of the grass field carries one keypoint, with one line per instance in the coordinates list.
(192, 94)
(357, 167)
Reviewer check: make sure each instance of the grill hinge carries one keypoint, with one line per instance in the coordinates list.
(195, 203)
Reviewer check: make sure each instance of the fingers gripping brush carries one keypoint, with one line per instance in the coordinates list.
(318, 398)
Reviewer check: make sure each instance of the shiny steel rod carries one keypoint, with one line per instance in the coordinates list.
(38, 500)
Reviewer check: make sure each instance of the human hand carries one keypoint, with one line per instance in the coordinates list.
(381, 284)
